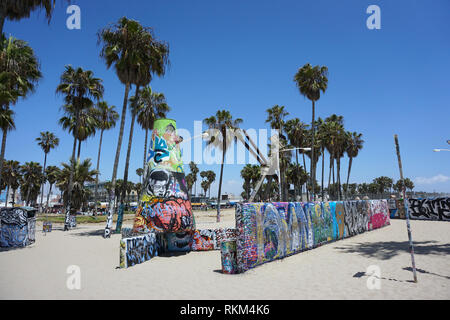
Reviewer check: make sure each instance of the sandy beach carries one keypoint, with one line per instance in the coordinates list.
(333, 271)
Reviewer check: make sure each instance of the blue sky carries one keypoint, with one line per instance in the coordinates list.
(242, 56)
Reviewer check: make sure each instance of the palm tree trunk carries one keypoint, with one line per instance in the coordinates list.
(70, 184)
(79, 149)
(107, 233)
(329, 175)
(145, 154)
(42, 187)
(323, 165)
(224, 149)
(2, 155)
(348, 175)
(6, 197)
(338, 172)
(295, 185)
(306, 183)
(98, 167)
(48, 195)
(127, 165)
(313, 177)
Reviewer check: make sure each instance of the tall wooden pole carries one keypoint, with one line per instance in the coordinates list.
(405, 203)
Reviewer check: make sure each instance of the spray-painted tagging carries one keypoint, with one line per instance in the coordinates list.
(135, 248)
(422, 209)
(270, 231)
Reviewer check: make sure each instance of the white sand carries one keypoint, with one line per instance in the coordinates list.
(328, 272)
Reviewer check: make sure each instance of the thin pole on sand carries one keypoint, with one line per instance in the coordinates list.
(405, 202)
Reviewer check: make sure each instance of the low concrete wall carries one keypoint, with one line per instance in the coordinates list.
(422, 209)
(270, 231)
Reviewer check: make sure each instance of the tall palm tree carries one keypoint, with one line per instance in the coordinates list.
(78, 87)
(354, 145)
(31, 181)
(153, 106)
(19, 9)
(52, 173)
(47, 141)
(297, 132)
(106, 119)
(87, 123)
(332, 128)
(10, 175)
(246, 174)
(221, 129)
(81, 173)
(194, 170)
(310, 82)
(19, 76)
(136, 55)
(275, 116)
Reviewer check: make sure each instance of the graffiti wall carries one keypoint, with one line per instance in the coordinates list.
(198, 240)
(422, 209)
(165, 204)
(18, 227)
(138, 249)
(269, 231)
(429, 209)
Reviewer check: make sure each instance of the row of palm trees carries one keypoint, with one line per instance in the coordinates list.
(208, 176)
(130, 48)
(326, 135)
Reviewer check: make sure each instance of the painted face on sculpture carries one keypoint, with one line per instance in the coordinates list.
(158, 184)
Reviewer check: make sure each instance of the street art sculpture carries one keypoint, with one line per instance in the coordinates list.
(270, 231)
(165, 204)
(18, 227)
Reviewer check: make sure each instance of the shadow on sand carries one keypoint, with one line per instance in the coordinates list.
(385, 250)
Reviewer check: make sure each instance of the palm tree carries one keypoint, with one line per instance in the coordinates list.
(189, 181)
(153, 106)
(31, 181)
(10, 174)
(297, 133)
(221, 128)
(275, 116)
(106, 117)
(246, 174)
(52, 173)
(311, 81)
(140, 172)
(87, 123)
(136, 55)
(79, 87)
(81, 173)
(18, 9)
(194, 170)
(354, 144)
(331, 130)
(47, 141)
(19, 76)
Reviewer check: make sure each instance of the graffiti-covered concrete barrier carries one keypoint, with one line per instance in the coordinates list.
(270, 231)
(137, 248)
(18, 226)
(422, 209)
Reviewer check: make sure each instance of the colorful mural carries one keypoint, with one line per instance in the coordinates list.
(269, 231)
(165, 204)
(138, 249)
(228, 257)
